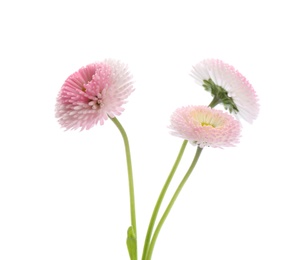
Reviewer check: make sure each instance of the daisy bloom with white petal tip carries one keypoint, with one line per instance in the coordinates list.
(228, 87)
(204, 126)
(92, 94)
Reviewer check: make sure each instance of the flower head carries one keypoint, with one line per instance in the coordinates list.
(93, 93)
(228, 87)
(205, 126)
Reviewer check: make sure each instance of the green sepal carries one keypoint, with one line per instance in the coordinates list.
(131, 243)
(220, 95)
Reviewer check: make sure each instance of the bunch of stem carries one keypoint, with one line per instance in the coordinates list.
(173, 199)
(159, 201)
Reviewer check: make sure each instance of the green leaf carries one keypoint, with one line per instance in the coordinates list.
(131, 243)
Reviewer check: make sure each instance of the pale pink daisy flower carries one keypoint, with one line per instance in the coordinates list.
(93, 93)
(204, 126)
(227, 86)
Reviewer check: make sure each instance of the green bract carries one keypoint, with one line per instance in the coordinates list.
(220, 95)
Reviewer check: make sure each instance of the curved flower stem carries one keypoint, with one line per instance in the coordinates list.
(214, 102)
(175, 195)
(160, 199)
(130, 179)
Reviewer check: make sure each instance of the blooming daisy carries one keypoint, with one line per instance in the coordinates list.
(228, 87)
(93, 93)
(205, 126)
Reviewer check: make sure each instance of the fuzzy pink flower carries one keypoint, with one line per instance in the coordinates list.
(205, 126)
(92, 94)
(228, 86)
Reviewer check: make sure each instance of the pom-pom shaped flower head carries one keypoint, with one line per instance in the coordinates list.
(228, 87)
(204, 126)
(92, 94)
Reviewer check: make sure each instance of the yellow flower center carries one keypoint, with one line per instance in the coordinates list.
(206, 124)
(205, 119)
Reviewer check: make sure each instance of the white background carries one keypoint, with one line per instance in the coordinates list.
(64, 195)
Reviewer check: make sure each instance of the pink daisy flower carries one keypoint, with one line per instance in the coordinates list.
(228, 87)
(205, 126)
(92, 94)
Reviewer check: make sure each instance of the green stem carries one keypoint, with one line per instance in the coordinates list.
(214, 102)
(130, 176)
(175, 195)
(160, 199)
